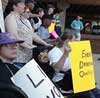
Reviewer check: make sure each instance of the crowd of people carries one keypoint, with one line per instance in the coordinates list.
(28, 31)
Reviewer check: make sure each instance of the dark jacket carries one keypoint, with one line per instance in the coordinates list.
(5, 73)
(7, 88)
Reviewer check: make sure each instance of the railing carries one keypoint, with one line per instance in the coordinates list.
(95, 41)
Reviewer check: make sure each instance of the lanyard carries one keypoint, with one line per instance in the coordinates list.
(9, 69)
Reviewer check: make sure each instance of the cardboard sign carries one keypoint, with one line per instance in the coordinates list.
(52, 31)
(54, 34)
(34, 82)
(1, 18)
(82, 66)
(51, 27)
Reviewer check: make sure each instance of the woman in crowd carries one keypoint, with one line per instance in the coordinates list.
(37, 21)
(16, 24)
(59, 60)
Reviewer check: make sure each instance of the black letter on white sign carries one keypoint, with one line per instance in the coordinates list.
(54, 93)
(35, 85)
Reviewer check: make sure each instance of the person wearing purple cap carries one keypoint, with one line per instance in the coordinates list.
(8, 51)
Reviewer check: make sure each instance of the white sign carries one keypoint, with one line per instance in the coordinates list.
(35, 83)
(1, 18)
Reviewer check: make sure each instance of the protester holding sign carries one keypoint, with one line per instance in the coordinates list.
(59, 60)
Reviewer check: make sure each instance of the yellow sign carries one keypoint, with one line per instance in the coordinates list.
(82, 66)
(51, 27)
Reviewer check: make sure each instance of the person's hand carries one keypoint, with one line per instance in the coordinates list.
(27, 46)
(33, 46)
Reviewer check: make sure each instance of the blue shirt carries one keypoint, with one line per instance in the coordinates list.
(43, 33)
(77, 25)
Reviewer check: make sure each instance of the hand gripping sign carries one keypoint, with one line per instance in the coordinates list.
(34, 82)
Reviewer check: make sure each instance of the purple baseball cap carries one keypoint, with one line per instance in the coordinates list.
(6, 38)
